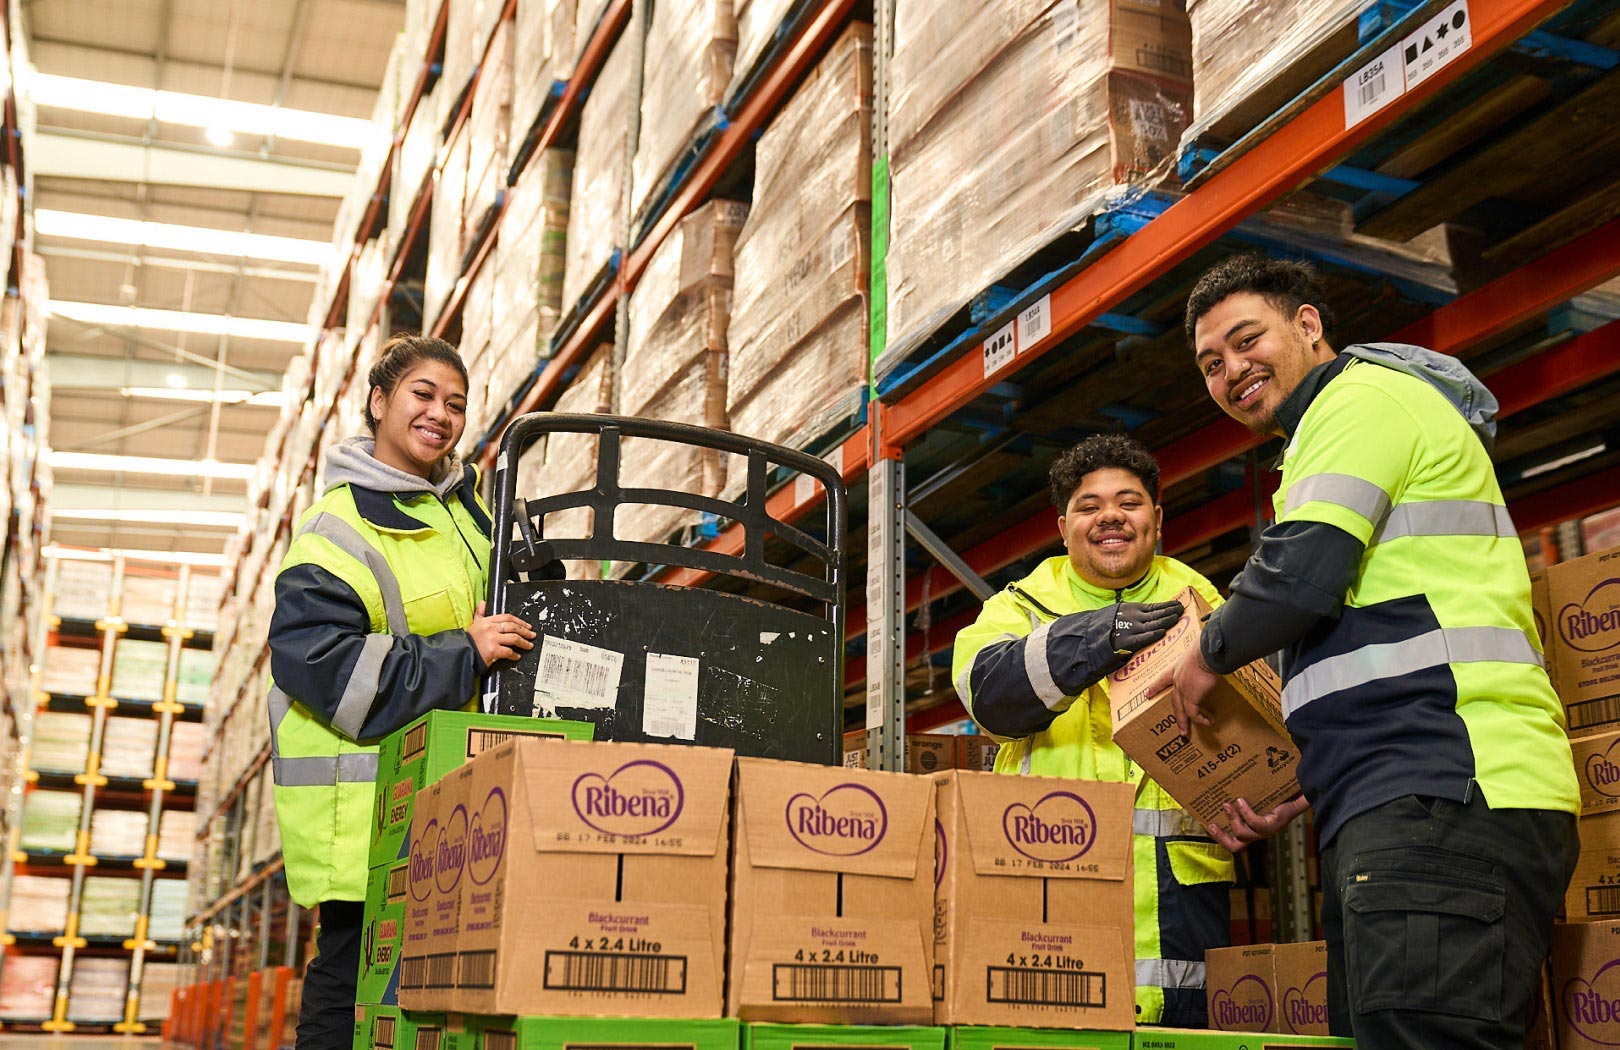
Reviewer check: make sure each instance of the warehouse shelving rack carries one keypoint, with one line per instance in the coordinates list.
(153, 795)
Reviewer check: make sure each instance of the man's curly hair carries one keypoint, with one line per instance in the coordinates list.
(1286, 283)
(1101, 452)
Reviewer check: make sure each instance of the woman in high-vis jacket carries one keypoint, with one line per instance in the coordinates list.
(378, 620)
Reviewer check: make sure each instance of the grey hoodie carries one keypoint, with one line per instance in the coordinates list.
(1445, 373)
(353, 461)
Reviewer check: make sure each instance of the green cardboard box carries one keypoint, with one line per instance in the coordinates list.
(390, 1028)
(983, 1037)
(383, 935)
(815, 1036)
(1188, 1039)
(577, 1033)
(432, 746)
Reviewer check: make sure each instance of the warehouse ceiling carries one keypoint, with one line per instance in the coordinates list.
(149, 392)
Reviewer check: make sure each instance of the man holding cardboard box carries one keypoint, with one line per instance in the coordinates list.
(1032, 671)
(1431, 742)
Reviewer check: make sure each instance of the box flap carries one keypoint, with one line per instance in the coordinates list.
(1128, 686)
(1048, 827)
(625, 798)
(826, 818)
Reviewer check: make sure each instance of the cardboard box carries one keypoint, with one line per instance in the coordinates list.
(1597, 763)
(427, 962)
(432, 746)
(979, 1038)
(1034, 904)
(628, 842)
(819, 1037)
(1242, 984)
(1586, 984)
(1301, 988)
(930, 752)
(1247, 753)
(855, 749)
(1594, 889)
(390, 1028)
(1188, 1039)
(383, 936)
(619, 1033)
(832, 895)
(1584, 598)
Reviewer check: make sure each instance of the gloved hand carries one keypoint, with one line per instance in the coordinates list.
(1082, 648)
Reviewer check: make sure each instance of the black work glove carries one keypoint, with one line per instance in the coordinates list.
(1082, 648)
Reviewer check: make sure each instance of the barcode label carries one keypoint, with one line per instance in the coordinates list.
(1374, 86)
(1368, 92)
(1589, 714)
(573, 674)
(1025, 987)
(594, 972)
(429, 1038)
(794, 983)
(477, 970)
(399, 883)
(481, 740)
(1602, 900)
(414, 745)
(441, 970)
(500, 1039)
(382, 1032)
(413, 972)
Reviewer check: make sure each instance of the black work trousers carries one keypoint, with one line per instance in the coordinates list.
(326, 1019)
(1438, 915)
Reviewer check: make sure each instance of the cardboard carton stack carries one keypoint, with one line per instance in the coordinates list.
(489, 125)
(1009, 124)
(1268, 988)
(931, 752)
(543, 55)
(445, 231)
(596, 219)
(528, 268)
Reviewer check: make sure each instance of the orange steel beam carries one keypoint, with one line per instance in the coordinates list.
(280, 985)
(1594, 492)
(250, 1011)
(1309, 143)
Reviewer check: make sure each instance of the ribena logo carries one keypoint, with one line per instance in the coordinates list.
(422, 848)
(1060, 827)
(639, 798)
(1603, 773)
(1306, 1008)
(486, 838)
(450, 856)
(1245, 1007)
(1593, 1007)
(1135, 663)
(845, 821)
(1593, 625)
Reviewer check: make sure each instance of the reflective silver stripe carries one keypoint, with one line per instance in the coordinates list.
(1039, 671)
(1342, 490)
(1169, 973)
(963, 682)
(1446, 517)
(1023, 763)
(361, 691)
(343, 536)
(1371, 663)
(325, 770)
(1164, 823)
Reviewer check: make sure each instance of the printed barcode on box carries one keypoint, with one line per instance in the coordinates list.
(382, 1032)
(797, 983)
(414, 744)
(477, 970)
(399, 883)
(1602, 900)
(594, 972)
(441, 970)
(1025, 987)
(413, 972)
(429, 1038)
(500, 1039)
(1589, 714)
(481, 740)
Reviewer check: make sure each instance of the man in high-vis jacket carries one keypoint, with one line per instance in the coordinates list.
(1032, 672)
(1432, 748)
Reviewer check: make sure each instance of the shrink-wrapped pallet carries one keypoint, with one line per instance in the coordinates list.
(466, 34)
(267, 832)
(595, 214)
(39, 904)
(61, 742)
(444, 235)
(196, 676)
(72, 670)
(50, 821)
(203, 594)
(28, 987)
(148, 599)
(158, 982)
(690, 47)
(542, 56)
(82, 589)
(127, 747)
(675, 363)
(177, 834)
(488, 126)
(413, 162)
(1010, 123)
(139, 668)
(530, 253)
(97, 990)
(758, 23)
(567, 462)
(118, 833)
(799, 320)
(167, 910)
(109, 905)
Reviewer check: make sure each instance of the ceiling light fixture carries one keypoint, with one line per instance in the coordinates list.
(179, 321)
(219, 135)
(69, 225)
(176, 381)
(194, 558)
(262, 399)
(198, 468)
(201, 111)
(184, 519)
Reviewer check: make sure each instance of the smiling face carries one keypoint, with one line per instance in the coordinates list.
(1252, 356)
(419, 423)
(1110, 528)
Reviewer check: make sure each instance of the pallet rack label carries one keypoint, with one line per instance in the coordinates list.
(1000, 349)
(1424, 52)
(1034, 323)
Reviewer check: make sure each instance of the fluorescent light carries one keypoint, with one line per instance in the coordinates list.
(219, 135)
(197, 558)
(185, 519)
(264, 398)
(49, 222)
(201, 111)
(200, 468)
(175, 381)
(179, 321)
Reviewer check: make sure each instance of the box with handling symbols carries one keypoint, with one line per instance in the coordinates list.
(431, 747)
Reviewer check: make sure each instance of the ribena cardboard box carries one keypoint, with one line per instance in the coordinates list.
(930, 752)
(432, 746)
(1594, 889)
(1301, 988)
(383, 936)
(823, 1037)
(832, 895)
(427, 962)
(1584, 599)
(1247, 753)
(601, 1033)
(1034, 902)
(1597, 765)
(390, 1028)
(1586, 984)
(972, 1037)
(1242, 986)
(1187, 1039)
